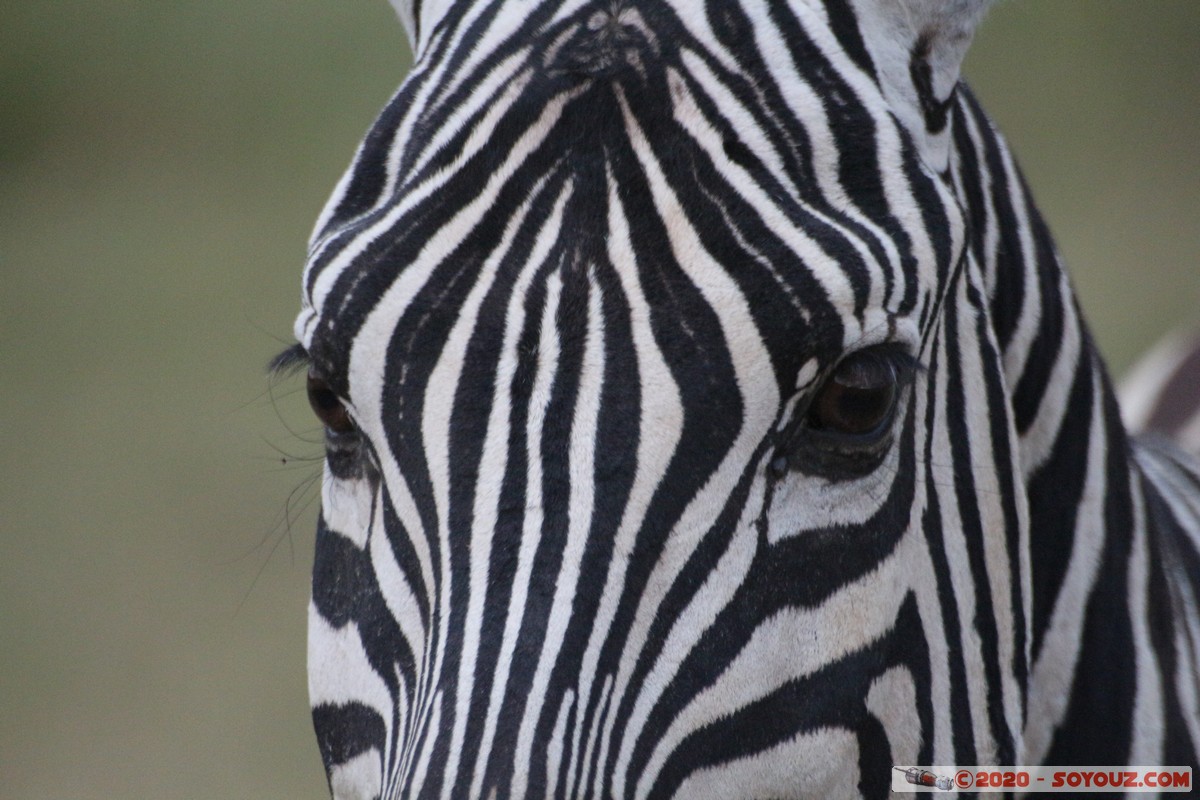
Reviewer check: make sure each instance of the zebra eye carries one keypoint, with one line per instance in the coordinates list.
(859, 398)
(326, 405)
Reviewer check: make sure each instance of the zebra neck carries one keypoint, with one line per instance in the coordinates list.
(1085, 521)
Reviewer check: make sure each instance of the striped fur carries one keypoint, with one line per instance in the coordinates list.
(578, 289)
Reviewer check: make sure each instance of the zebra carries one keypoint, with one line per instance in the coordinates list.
(1160, 393)
(708, 415)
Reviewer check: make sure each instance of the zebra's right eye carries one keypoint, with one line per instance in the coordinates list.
(845, 431)
(859, 398)
(327, 406)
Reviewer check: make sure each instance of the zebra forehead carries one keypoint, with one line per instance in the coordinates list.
(617, 218)
(793, 174)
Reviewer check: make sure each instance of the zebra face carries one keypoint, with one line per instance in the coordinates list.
(634, 334)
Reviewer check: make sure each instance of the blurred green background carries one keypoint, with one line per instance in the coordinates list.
(160, 166)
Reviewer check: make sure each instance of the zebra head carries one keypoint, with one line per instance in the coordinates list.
(673, 364)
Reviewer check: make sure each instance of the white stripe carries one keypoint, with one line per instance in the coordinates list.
(603, 711)
(554, 749)
(809, 110)
(539, 401)
(924, 586)
(579, 522)
(1039, 440)
(958, 559)
(439, 408)
(889, 154)
(698, 26)
(892, 699)
(591, 416)
(497, 90)
(370, 352)
(432, 729)
(492, 469)
(659, 431)
(988, 502)
(1029, 318)
(1052, 675)
(406, 736)
(358, 778)
(396, 591)
(723, 581)
(823, 763)
(823, 266)
(751, 365)
(794, 643)
(1147, 732)
(340, 671)
(347, 507)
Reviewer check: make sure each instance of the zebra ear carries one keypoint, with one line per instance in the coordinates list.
(917, 47)
(408, 11)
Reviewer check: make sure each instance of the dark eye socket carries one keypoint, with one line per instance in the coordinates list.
(326, 405)
(859, 398)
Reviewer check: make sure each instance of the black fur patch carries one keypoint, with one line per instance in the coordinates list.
(603, 44)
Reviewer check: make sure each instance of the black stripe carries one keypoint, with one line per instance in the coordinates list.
(1099, 717)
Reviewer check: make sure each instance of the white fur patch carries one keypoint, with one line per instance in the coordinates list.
(357, 779)
(820, 764)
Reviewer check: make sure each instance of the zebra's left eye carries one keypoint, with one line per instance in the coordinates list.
(859, 398)
(327, 405)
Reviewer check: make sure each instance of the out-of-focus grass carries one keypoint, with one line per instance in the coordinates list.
(1101, 102)
(160, 167)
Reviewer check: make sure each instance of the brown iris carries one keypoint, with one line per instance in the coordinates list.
(858, 398)
(326, 405)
